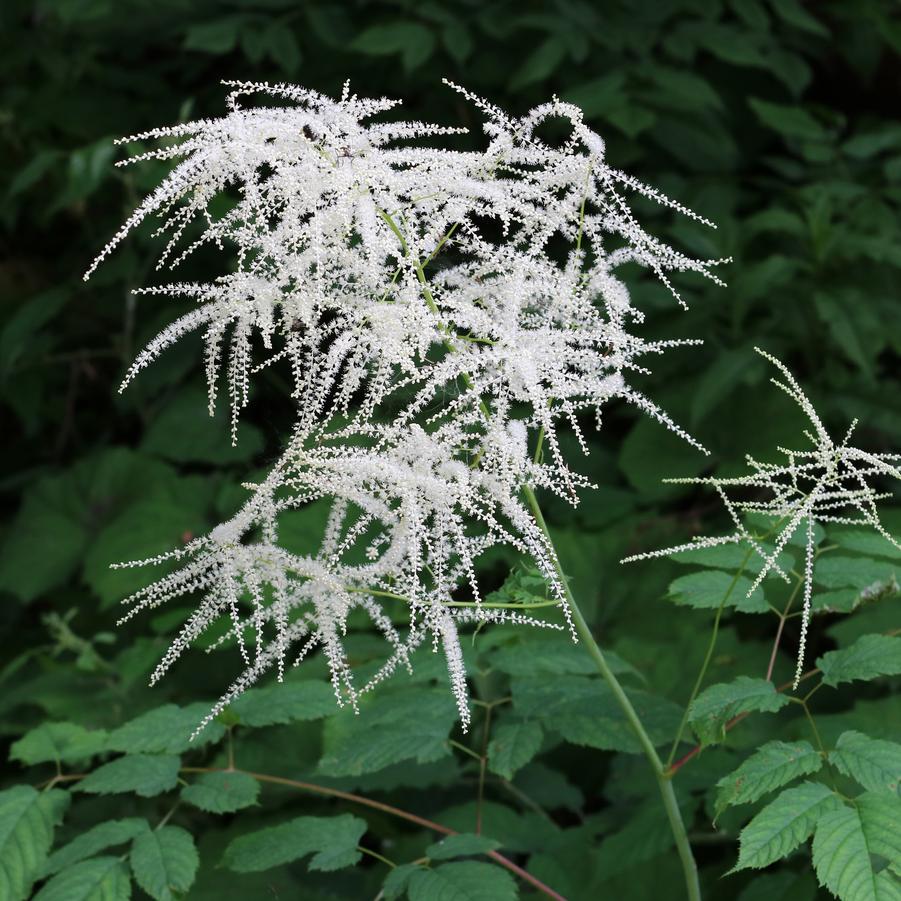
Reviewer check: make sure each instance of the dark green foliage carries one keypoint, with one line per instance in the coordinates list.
(778, 120)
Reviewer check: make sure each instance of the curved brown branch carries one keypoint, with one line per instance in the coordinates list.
(384, 808)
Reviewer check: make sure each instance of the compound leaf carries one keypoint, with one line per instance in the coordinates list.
(102, 836)
(285, 702)
(144, 774)
(513, 746)
(164, 861)
(716, 705)
(770, 767)
(869, 657)
(332, 841)
(463, 844)
(873, 762)
(784, 824)
(27, 821)
(465, 880)
(58, 743)
(97, 879)
(844, 840)
(166, 730)
(222, 792)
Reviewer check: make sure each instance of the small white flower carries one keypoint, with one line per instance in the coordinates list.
(827, 483)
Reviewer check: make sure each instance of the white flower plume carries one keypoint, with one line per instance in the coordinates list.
(437, 339)
(828, 483)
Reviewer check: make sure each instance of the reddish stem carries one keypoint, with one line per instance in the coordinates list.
(393, 811)
(678, 764)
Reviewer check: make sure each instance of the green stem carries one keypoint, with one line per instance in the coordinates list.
(583, 630)
(665, 785)
(711, 645)
(377, 856)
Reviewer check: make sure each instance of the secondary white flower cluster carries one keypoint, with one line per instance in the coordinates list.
(826, 484)
(441, 312)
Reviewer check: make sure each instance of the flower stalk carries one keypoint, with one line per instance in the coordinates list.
(662, 776)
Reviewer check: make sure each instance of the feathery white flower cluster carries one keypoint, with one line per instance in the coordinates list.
(391, 275)
(826, 484)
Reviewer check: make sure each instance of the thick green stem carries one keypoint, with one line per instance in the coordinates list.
(664, 783)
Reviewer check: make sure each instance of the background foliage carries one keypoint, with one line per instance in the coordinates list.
(775, 119)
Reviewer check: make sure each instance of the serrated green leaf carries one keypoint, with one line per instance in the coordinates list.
(870, 543)
(222, 792)
(873, 762)
(880, 816)
(643, 837)
(514, 744)
(585, 712)
(332, 841)
(166, 730)
(185, 432)
(862, 573)
(145, 774)
(27, 820)
(731, 557)
(466, 880)
(99, 838)
(73, 507)
(846, 600)
(598, 96)
(284, 50)
(709, 588)
(780, 885)
(457, 41)
(784, 824)
(31, 565)
(716, 705)
(869, 657)
(21, 329)
(59, 743)
(790, 121)
(651, 453)
(397, 880)
(540, 63)
(844, 840)
(285, 702)
(97, 879)
(770, 767)
(392, 726)
(888, 886)
(516, 830)
(163, 517)
(463, 844)
(164, 861)
(555, 655)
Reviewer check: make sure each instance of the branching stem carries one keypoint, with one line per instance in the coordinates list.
(714, 634)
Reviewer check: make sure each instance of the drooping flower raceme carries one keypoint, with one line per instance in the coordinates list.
(828, 483)
(436, 343)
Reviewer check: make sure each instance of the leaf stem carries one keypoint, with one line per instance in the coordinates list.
(376, 855)
(664, 783)
(483, 762)
(782, 619)
(393, 811)
(711, 645)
